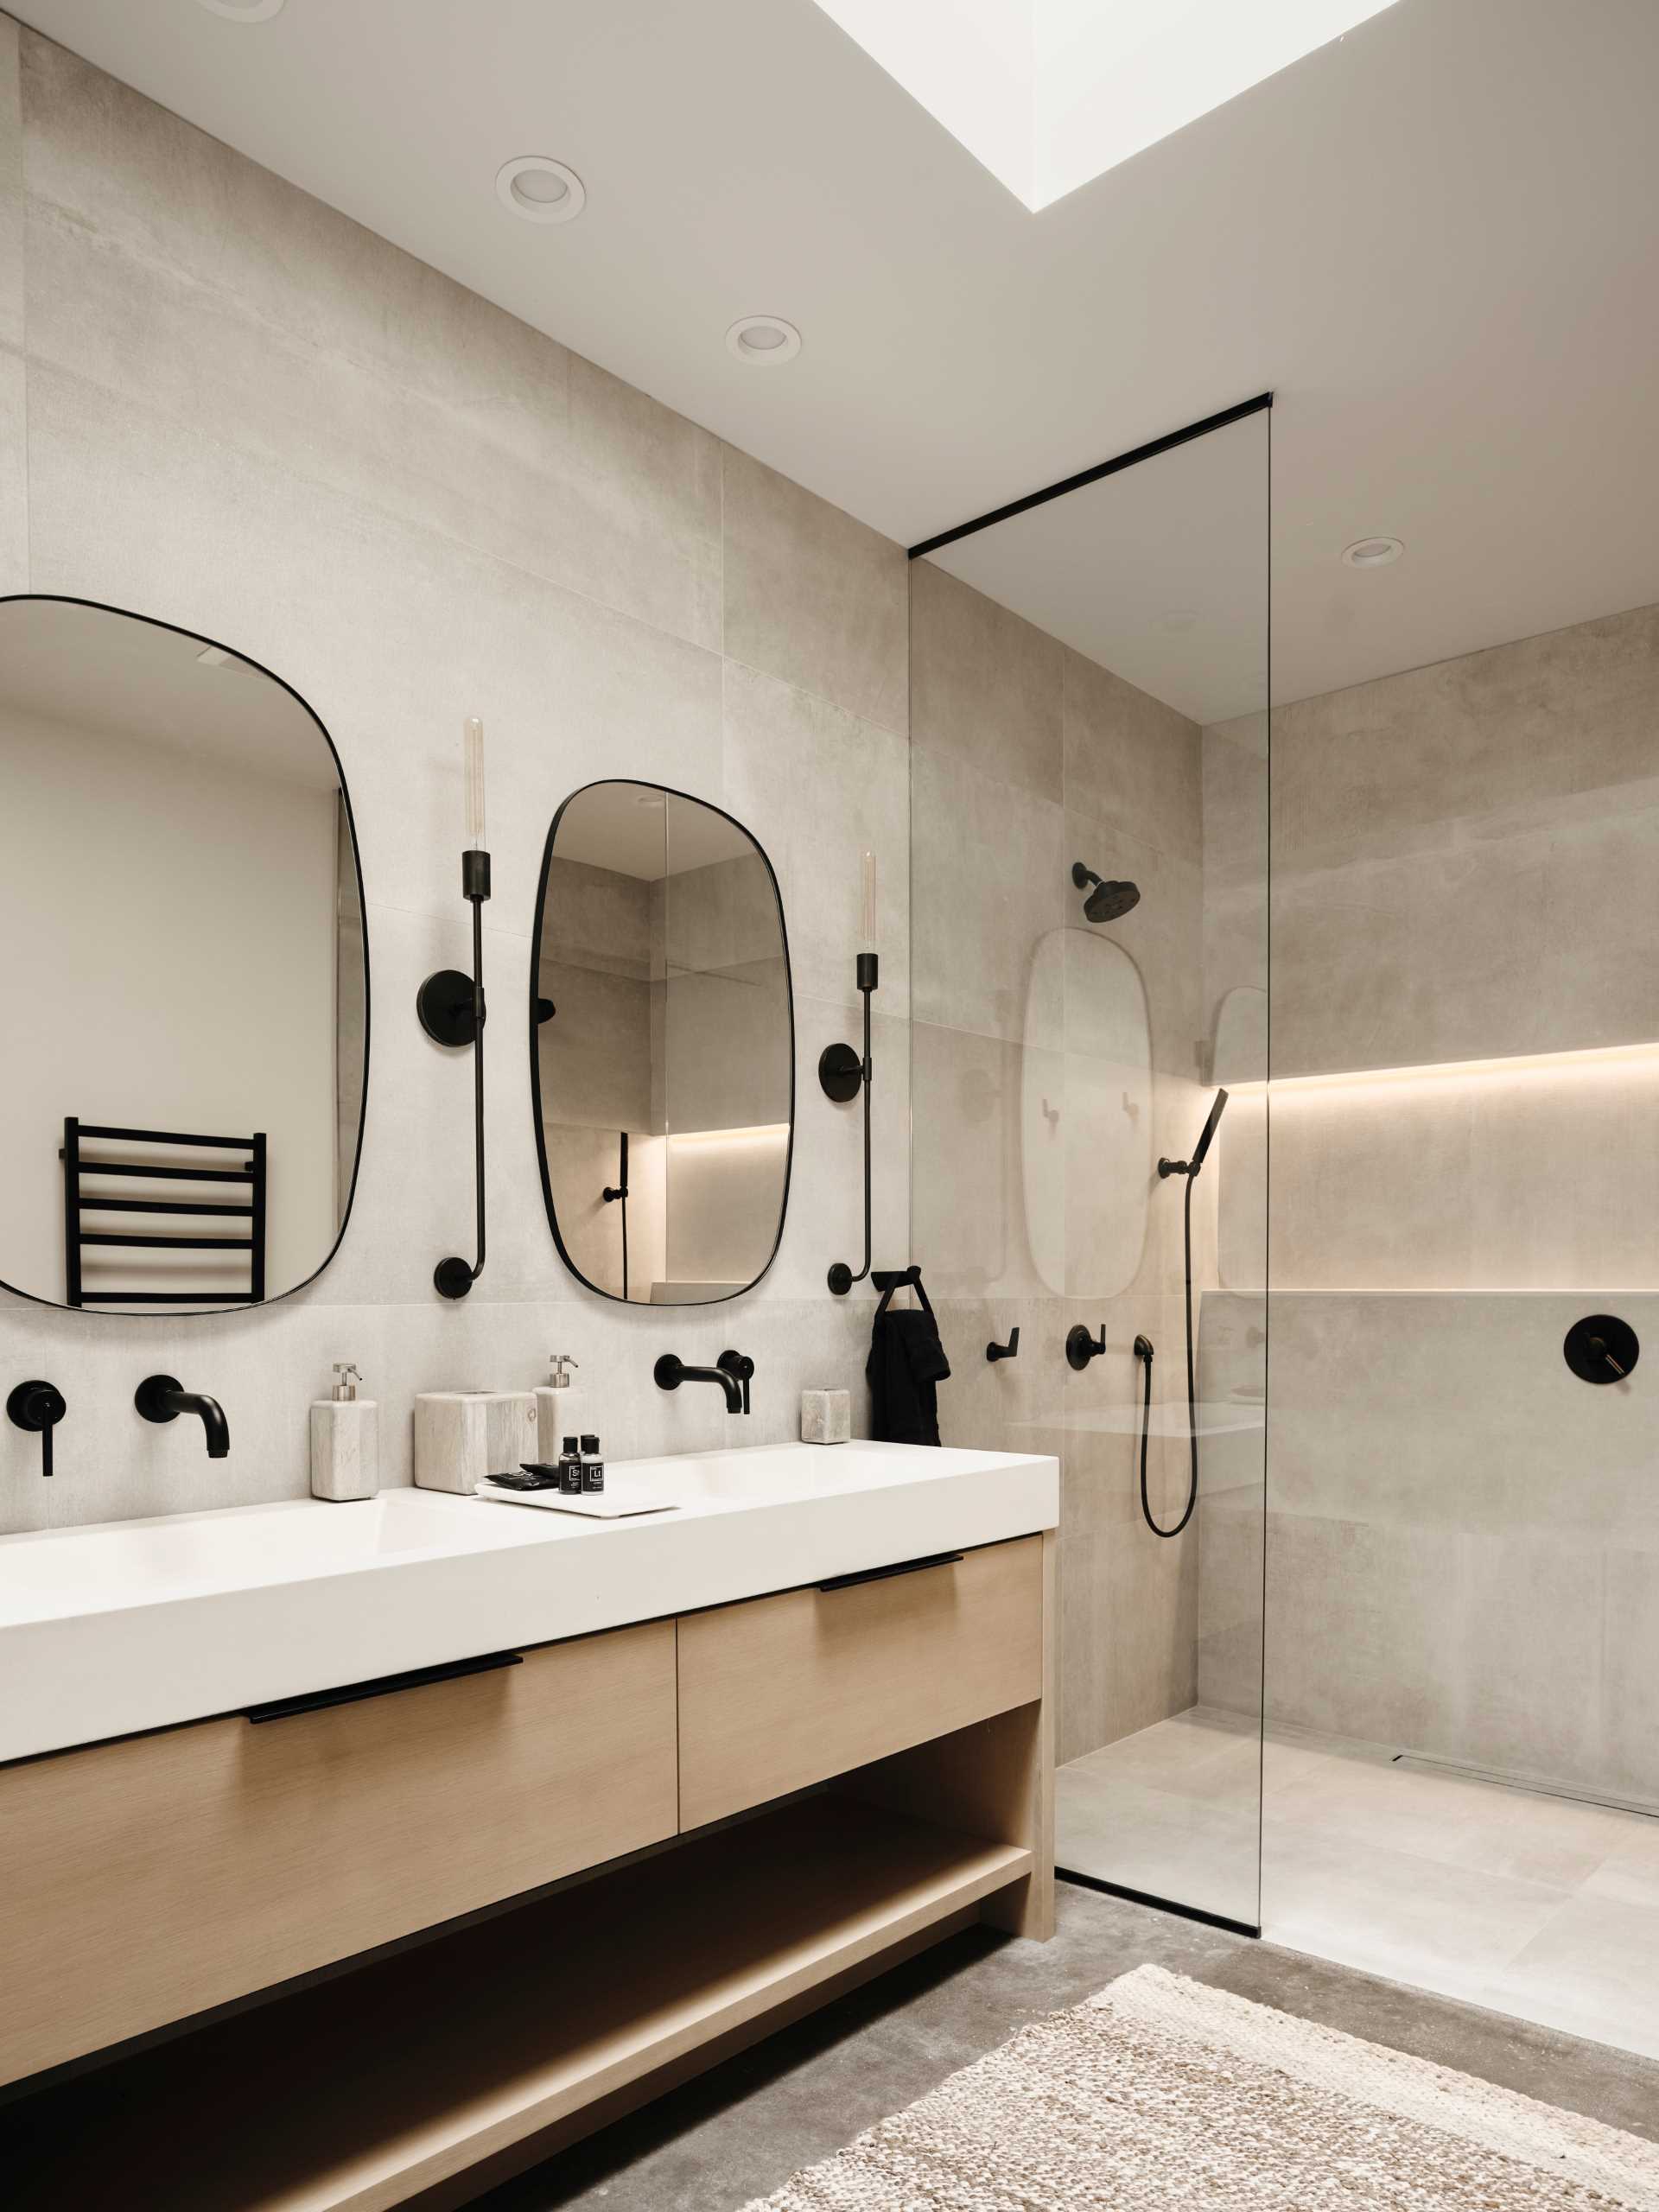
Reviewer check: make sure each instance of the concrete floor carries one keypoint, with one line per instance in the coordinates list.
(739, 2131)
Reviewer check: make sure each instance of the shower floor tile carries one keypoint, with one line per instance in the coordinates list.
(1541, 1907)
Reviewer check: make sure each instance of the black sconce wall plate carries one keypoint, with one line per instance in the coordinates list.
(444, 1003)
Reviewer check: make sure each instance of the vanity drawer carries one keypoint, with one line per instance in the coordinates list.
(782, 1692)
(147, 1879)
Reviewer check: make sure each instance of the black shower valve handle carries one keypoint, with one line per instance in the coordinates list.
(37, 1407)
(994, 1352)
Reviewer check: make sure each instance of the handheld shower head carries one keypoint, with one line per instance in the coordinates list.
(1208, 1131)
(1107, 901)
(1190, 1167)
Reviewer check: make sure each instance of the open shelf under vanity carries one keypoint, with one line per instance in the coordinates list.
(427, 2076)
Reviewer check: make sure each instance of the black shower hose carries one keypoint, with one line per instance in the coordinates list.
(1191, 1394)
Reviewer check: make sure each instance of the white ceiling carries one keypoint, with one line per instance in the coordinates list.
(1435, 240)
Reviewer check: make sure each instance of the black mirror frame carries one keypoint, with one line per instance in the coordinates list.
(185, 1312)
(537, 1017)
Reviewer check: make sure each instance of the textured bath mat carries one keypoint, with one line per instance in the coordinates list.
(1161, 2094)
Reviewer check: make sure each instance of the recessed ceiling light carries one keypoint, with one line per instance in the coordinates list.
(541, 189)
(1372, 552)
(765, 342)
(243, 11)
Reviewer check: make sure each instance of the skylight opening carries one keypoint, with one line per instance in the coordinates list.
(1048, 94)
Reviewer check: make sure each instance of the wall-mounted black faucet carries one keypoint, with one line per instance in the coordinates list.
(731, 1373)
(994, 1352)
(163, 1397)
(38, 1408)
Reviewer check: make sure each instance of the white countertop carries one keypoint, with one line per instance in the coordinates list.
(133, 1625)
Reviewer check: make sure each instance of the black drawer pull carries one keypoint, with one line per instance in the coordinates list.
(285, 1708)
(884, 1573)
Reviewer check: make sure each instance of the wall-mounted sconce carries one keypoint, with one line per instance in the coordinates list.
(842, 1074)
(451, 1004)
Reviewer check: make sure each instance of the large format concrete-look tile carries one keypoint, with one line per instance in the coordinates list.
(165, 266)
(11, 185)
(988, 883)
(1592, 1969)
(819, 788)
(967, 1135)
(1131, 760)
(814, 597)
(414, 633)
(986, 688)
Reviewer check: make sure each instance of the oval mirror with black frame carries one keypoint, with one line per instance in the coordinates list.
(662, 1046)
(179, 895)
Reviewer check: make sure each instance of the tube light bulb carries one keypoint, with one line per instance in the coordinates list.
(473, 730)
(867, 930)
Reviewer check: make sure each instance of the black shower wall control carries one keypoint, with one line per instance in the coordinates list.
(1601, 1349)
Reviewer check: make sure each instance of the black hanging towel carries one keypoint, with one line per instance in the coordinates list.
(905, 1366)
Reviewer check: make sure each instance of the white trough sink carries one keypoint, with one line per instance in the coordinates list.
(136, 1624)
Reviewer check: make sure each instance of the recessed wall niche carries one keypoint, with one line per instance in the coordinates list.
(180, 889)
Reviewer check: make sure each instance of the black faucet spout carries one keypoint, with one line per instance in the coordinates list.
(732, 1380)
(163, 1397)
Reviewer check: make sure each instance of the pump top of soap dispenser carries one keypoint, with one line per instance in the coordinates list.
(558, 1373)
(347, 1378)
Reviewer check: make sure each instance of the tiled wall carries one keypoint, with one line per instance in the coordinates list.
(224, 404)
(1028, 756)
(1463, 1539)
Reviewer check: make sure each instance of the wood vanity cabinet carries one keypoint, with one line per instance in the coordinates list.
(147, 1879)
(629, 1802)
(782, 1692)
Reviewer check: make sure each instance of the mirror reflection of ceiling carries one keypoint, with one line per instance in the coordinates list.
(627, 829)
(1160, 574)
(1433, 239)
(71, 663)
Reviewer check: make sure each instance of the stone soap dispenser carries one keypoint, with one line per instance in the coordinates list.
(555, 1408)
(345, 1440)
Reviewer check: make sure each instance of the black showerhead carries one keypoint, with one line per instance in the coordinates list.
(1107, 901)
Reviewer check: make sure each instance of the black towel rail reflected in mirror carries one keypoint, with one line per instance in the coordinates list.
(182, 887)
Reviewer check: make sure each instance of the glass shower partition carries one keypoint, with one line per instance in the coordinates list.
(1089, 887)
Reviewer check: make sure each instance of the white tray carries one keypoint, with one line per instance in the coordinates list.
(598, 1505)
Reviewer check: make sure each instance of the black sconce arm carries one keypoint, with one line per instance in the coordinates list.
(452, 1011)
(842, 1074)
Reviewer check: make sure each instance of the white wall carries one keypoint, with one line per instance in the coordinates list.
(240, 412)
(175, 920)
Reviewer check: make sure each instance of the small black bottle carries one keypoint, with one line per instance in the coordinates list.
(570, 1470)
(592, 1467)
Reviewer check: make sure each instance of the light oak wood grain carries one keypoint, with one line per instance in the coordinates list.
(148, 1879)
(995, 1779)
(786, 1691)
(362, 2094)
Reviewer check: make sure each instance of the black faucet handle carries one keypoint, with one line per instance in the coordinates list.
(1081, 1347)
(740, 1368)
(995, 1351)
(37, 1407)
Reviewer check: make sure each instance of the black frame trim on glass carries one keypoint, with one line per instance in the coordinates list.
(183, 1311)
(1101, 469)
(643, 783)
(1241, 412)
(1159, 1904)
